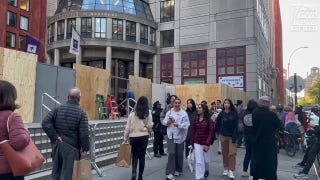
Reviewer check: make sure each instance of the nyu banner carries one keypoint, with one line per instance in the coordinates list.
(32, 45)
(75, 43)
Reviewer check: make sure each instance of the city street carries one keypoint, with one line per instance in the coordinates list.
(155, 168)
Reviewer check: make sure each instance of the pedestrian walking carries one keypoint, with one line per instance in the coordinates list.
(138, 128)
(227, 128)
(192, 115)
(201, 140)
(67, 127)
(265, 125)
(19, 136)
(249, 137)
(158, 135)
(178, 123)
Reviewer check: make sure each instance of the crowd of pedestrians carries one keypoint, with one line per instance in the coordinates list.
(187, 132)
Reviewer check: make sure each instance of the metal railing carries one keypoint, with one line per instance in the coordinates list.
(105, 139)
(45, 106)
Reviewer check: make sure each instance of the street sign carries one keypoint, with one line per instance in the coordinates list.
(300, 84)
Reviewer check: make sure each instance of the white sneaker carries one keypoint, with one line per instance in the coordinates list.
(231, 176)
(176, 173)
(170, 177)
(225, 172)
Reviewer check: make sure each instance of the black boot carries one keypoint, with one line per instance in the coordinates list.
(133, 176)
(140, 178)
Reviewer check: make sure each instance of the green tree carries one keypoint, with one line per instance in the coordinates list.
(315, 90)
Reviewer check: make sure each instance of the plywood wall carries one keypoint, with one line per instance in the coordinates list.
(91, 81)
(207, 92)
(141, 87)
(198, 92)
(19, 68)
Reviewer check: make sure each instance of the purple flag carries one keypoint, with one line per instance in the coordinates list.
(32, 45)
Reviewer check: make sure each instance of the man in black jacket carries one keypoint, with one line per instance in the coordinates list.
(67, 127)
(157, 125)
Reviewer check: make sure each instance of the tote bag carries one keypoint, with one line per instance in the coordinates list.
(23, 161)
(124, 155)
(82, 170)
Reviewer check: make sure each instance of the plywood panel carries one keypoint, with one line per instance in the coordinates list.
(91, 81)
(19, 68)
(141, 87)
(159, 94)
(198, 92)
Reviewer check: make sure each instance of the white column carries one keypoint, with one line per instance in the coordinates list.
(124, 30)
(136, 62)
(65, 29)
(93, 26)
(108, 58)
(154, 68)
(138, 32)
(149, 37)
(78, 25)
(56, 57)
(109, 28)
(55, 31)
(79, 57)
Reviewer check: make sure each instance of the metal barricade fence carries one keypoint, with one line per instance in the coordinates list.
(105, 139)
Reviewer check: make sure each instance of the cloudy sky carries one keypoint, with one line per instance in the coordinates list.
(301, 27)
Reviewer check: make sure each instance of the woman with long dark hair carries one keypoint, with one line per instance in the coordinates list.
(249, 138)
(19, 137)
(192, 114)
(201, 139)
(137, 130)
(227, 128)
(178, 122)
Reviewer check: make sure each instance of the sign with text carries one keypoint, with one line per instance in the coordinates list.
(232, 81)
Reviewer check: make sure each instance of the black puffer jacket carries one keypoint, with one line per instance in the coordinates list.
(69, 122)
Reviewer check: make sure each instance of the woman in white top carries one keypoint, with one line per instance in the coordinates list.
(138, 128)
(178, 122)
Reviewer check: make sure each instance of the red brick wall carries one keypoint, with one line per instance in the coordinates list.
(37, 23)
(278, 51)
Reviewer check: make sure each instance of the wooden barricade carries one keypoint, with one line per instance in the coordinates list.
(19, 68)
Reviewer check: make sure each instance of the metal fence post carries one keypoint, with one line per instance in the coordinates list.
(93, 150)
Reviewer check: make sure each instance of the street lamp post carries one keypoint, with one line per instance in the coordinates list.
(302, 47)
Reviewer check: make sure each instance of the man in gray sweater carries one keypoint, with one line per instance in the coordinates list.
(67, 127)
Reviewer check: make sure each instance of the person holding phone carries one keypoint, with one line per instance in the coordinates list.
(201, 139)
(178, 123)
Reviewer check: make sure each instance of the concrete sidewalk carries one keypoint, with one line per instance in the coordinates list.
(155, 168)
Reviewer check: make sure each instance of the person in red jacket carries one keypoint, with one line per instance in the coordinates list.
(18, 136)
(201, 139)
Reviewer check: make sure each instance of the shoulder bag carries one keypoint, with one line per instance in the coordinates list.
(23, 161)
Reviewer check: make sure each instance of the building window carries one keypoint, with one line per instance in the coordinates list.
(70, 23)
(12, 19)
(86, 27)
(152, 37)
(24, 23)
(167, 38)
(100, 28)
(10, 40)
(60, 31)
(167, 11)
(194, 67)
(22, 42)
(117, 29)
(143, 34)
(12, 3)
(131, 31)
(231, 62)
(51, 39)
(166, 68)
(24, 5)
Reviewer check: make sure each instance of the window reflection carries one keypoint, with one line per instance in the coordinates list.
(61, 26)
(24, 5)
(117, 29)
(131, 31)
(135, 7)
(70, 23)
(100, 27)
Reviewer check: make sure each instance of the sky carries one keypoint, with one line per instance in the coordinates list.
(300, 27)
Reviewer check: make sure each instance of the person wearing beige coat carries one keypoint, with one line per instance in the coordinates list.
(137, 131)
